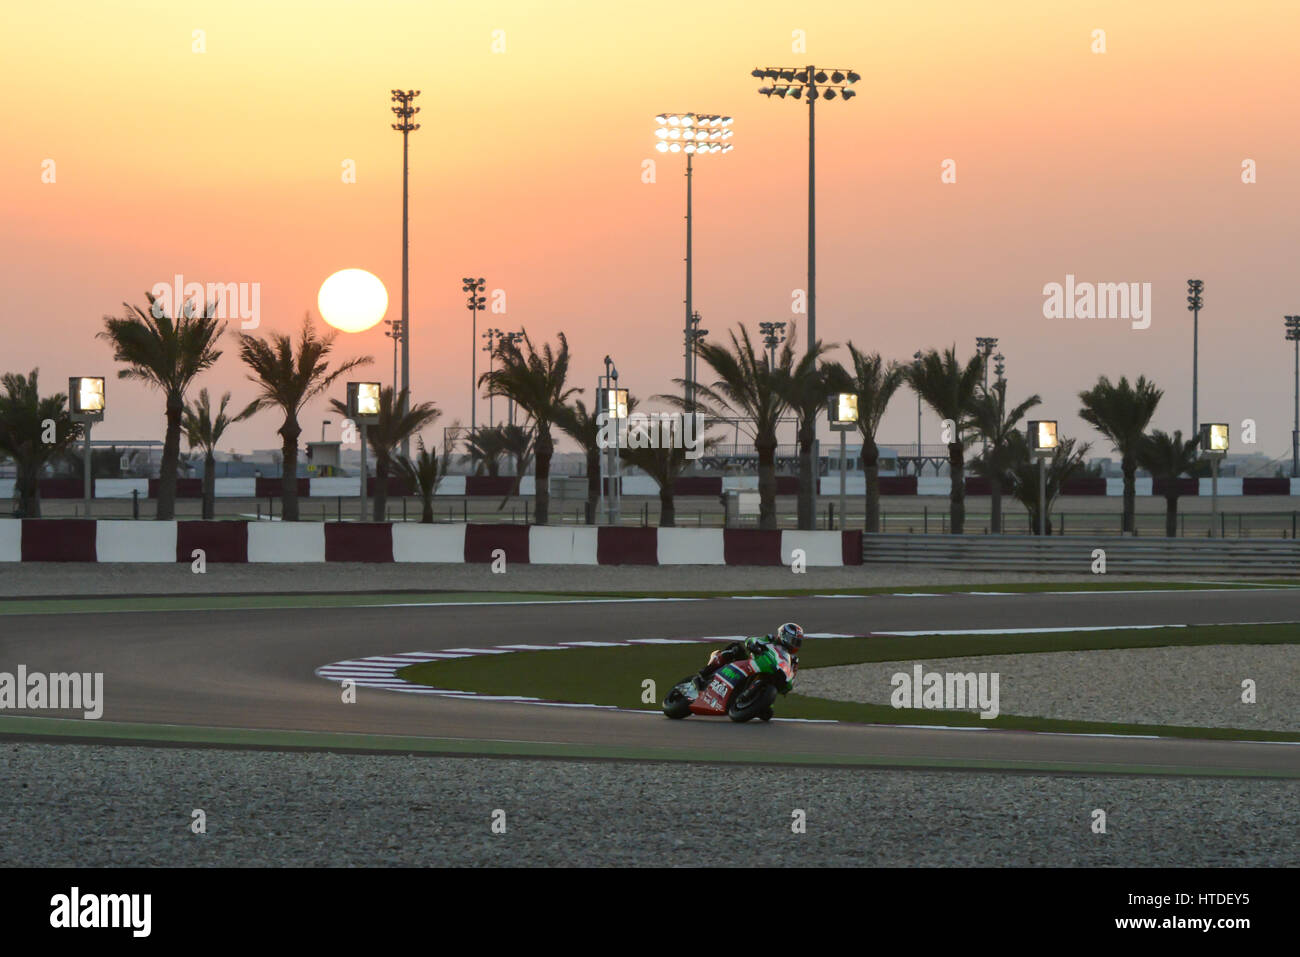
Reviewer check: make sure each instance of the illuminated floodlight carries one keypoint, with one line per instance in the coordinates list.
(1042, 436)
(363, 402)
(697, 129)
(86, 398)
(616, 403)
(1214, 439)
(844, 411)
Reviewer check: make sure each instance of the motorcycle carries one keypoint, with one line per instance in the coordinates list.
(742, 690)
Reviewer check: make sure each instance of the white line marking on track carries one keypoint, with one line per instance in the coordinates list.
(379, 673)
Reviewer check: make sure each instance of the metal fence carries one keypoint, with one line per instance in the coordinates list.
(1120, 554)
(928, 520)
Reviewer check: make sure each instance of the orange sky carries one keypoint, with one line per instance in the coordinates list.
(225, 166)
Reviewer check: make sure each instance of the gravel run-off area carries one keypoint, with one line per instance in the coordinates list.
(1194, 685)
(94, 805)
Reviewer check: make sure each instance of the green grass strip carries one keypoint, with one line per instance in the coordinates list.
(615, 676)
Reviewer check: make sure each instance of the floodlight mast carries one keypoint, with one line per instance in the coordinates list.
(405, 125)
(692, 134)
(817, 84)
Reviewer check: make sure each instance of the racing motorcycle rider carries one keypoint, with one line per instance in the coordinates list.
(789, 636)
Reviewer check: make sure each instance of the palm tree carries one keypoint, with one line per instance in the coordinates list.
(874, 383)
(1168, 457)
(1065, 463)
(663, 464)
(989, 418)
(204, 430)
(484, 448)
(394, 424)
(535, 380)
(518, 443)
(804, 387)
(167, 353)
(1121, 413)
(949, 389)
(425, 473)
(32, 432)
(288, 381)
(748, 388)
(583, 427)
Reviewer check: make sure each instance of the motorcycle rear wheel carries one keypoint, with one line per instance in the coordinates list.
(751, 700)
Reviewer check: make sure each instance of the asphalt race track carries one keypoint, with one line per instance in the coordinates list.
(255, 669)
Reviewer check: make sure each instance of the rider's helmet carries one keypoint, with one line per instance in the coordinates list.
(789, 636)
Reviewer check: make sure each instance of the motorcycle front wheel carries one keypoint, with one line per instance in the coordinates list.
(676, 704)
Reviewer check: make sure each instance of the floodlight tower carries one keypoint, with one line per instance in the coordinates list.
(513, 338)
(405, 125)
(812, 84)
(490, 347)
(773, 334)
(1195, 301)
(474, 304)
(695, 134)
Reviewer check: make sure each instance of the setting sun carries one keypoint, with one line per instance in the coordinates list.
(352, 300)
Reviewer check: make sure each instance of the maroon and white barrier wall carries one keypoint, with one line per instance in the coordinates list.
(88, 540)
(687, 486)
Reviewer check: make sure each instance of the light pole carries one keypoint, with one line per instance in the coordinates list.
(695, 134)
(773, 335)
(693, 336)
(1293, 335)
(86, 406)
(813, 84)
(612, 401)
(474, 303)
(817, 84)
(843, 416)
(491, 335)
(1042, 443)
(394, 332)
(985, 345)
(1214, 446)
(918, 357)
(405, 114)
(1194, 304)
(363, 409)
